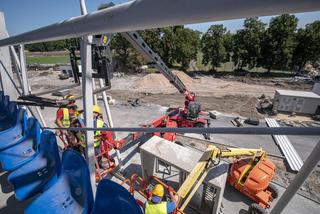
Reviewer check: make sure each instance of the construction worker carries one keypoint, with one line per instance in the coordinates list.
(65, 115)
(155, 205)
(97, 123)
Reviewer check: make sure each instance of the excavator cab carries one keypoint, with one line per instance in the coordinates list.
(194, 109)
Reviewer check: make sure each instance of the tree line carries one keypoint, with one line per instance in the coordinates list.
(280, 45)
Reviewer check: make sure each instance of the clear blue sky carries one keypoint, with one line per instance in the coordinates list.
(25, 15)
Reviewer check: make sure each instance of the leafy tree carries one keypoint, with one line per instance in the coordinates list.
(121, 48)
(247, 43)
(214, 51)
(186, 46)
(228, 43)
(307, 47)
(278, 42)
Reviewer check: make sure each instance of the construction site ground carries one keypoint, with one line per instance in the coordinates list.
(230, 97)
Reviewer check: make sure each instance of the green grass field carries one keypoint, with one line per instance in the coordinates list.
(47, 59)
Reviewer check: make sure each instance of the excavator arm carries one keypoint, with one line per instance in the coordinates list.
(139, 44)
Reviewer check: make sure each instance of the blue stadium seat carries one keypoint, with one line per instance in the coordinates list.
(41, 172)
(113, 198)
(16, 133)
(7, 115)
(23, 152)
(71, 194)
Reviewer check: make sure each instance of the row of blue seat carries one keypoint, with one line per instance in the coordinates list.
(33, 160)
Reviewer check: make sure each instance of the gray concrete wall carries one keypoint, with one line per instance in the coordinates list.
(6, 60)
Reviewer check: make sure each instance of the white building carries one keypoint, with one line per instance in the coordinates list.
(305, 102)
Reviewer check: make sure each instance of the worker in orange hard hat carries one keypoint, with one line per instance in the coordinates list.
(155, 205)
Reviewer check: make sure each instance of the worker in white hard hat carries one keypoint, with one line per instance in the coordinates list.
(155, 205)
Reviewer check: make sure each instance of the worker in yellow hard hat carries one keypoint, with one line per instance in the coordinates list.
(155, 205)
(97, 123)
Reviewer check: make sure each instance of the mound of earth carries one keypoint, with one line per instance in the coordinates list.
(155, 80)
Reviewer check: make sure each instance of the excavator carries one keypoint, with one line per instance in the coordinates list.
(251, 173)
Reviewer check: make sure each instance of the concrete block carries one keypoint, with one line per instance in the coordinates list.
(171, 153)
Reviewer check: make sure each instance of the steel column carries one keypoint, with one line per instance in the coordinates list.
(87, 91)
(25, 84)
(26, 89)
(299, 179)
(95, 99)
(110, 121)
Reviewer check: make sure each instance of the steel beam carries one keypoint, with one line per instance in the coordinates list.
(26, 89)
(86, 66)
(95, 99)
(299, 179)
(23, 69)
(145, 14)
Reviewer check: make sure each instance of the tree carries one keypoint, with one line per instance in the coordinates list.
(278, 42)
(307, 47)
(214, 51)
(247, 43)
(186, 46)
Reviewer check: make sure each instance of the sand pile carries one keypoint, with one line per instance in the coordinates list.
(158, 80)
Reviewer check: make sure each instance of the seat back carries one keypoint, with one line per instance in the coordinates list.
(49, 148)
(33, 131)
(5, 103)
(12, 111)
(76, 169)
(113, 198)
(1, 98)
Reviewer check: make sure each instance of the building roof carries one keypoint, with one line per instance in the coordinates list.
(306, 94)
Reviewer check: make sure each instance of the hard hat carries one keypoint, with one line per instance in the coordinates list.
(71, 98)
(158, 190)
(96, 109)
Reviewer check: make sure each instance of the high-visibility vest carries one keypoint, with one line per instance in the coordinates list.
(152, 208)
(97, 141)
(66, 118)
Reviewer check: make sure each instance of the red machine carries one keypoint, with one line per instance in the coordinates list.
(107, 145)
(187, 117)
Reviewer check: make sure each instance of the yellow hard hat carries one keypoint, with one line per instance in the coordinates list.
(96, 109)
(71, 98)
(158, 190)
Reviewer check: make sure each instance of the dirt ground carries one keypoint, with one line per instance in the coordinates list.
(235, 95)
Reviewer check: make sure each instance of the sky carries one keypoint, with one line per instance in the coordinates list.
(26, 15)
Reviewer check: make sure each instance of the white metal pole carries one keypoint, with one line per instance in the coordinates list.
(95, 99)
(110, 121)
(25, 84)
(26, 89)
(298, 180)
(87, 91)
(17, 63)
